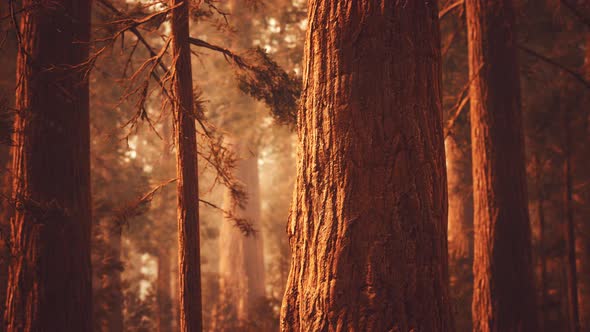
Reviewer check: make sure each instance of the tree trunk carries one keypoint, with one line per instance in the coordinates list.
(111, 286)
(504, 296)
(163, 291)
(460, 227)
(542, 242)
(584, 241)
(5, 215)
(241, 264)
(368, 225)
(49, 275)
(189, 278)
(570, 238)
(460, 231)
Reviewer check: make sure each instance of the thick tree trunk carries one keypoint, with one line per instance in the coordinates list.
(504, 296)
(369, 217)
(163, 286)
(241, 264)
(189, 278)
(111, 286)
(49, 278)
(460, 230)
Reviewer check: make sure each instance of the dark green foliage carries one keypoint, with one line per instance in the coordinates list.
(266, 81)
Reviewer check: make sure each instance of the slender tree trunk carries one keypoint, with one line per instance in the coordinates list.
(504, 295)
(189, 278)
(542, 251)
(49, 275)
(241, 264)
(166, 254)
(570, 238)
(5, 215)
(460, 231)
(111, 286)
(163, 291)
(368, 225)
(584, 240)
(460, 226)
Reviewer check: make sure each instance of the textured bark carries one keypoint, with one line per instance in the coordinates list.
(368, 223)
(241, 265)
(460, 230)
(504, 296)
(49, 275)
(189, 277)
(163, 286)
(111, 286)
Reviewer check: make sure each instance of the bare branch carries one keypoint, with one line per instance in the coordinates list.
(556, 64)
(447, 10)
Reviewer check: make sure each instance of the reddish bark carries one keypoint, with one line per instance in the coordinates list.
(49, 277)
(186, 170)
(504, 295)
(368, 222)
(570, 237)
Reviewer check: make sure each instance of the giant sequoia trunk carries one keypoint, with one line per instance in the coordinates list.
(241, 265)
(368, 220)
(504, 296)
(189, 274)
(49, 278)
(460, 229)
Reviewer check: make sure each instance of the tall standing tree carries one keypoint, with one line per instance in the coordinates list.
(186, 169)
(368, 221)
(460, 233)
(504, 295)
(49, 287)
(584, 243)
(241, 261)
(570, 237)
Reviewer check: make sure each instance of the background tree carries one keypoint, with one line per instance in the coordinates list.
(504, 296)
(49, 285)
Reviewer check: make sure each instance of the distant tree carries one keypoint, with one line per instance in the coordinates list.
(49, 287)
(241, 264)
(368, 220)
(504, 293)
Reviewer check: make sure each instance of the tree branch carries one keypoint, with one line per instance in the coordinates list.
(556, 64)
(447, 10)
